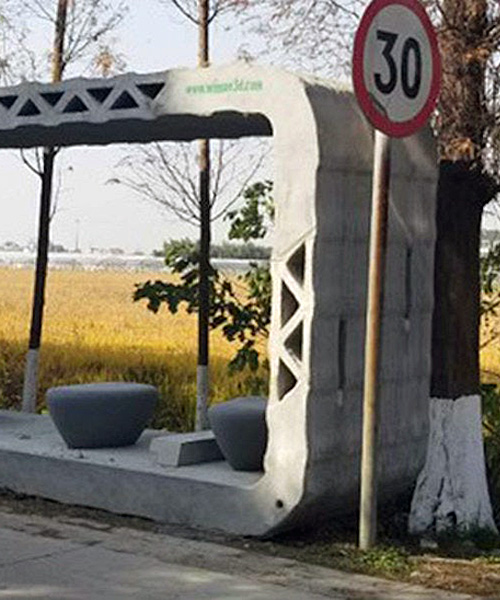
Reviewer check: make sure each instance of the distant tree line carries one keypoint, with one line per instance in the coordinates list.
(247, 250)
(10, 246)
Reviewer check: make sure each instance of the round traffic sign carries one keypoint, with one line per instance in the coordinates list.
(396, 66)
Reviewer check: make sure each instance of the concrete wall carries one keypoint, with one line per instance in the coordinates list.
(339, 263)
(323, 158)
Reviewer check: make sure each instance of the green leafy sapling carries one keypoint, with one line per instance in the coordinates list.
(241, 309)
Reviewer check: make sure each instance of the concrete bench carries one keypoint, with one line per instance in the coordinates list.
(101, 415)
(240, 429)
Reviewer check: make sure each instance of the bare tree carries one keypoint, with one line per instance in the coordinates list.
(80, 28)
(46, 174)
(191, 9)
(316, 35)
(17, 61)
(202, 13)
(166, 174)
(88, 26)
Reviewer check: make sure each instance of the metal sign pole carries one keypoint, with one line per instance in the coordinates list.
(378, 248)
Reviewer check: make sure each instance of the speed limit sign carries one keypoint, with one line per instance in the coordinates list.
(396, 66)
(397, 76)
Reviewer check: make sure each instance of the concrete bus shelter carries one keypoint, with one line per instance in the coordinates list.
(323, 161)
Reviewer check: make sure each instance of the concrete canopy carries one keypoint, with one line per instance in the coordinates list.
(173, 105)
(323, 162)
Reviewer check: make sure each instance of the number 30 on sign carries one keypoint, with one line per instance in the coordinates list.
(396, 66)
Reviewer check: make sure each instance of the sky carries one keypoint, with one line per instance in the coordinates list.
(91, 212)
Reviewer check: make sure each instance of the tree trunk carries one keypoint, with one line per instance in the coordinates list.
(455, 328)
(30, 385)
(202, 388)
(33, 357)
(452, 489)
(204, 291)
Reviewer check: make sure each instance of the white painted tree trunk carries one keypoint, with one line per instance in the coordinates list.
(30, 385)
(452, 490)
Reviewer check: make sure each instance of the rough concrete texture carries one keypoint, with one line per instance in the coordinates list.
(323, 163)
(181, 449)
(35, 460)
(73, 558)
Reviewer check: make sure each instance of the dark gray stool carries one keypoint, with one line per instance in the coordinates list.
(101, 415)
(240, 430)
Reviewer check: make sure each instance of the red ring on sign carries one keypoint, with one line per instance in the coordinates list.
(377, 119)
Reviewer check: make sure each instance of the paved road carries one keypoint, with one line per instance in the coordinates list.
(71, 558)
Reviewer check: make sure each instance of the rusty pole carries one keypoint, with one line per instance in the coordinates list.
(378, 250)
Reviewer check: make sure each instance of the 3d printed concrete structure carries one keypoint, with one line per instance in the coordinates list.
(323, 162)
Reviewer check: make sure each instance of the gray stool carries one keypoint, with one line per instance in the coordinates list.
(101, 415)
(240, 430)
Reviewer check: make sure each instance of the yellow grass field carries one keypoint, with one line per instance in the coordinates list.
(95, 332)
(490, 353)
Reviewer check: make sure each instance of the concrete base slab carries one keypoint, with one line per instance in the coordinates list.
(35, 460)
(182, 449)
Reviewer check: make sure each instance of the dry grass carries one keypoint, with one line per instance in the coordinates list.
(479, 576)
(490, 363)
(490, 345)
(94, 332)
